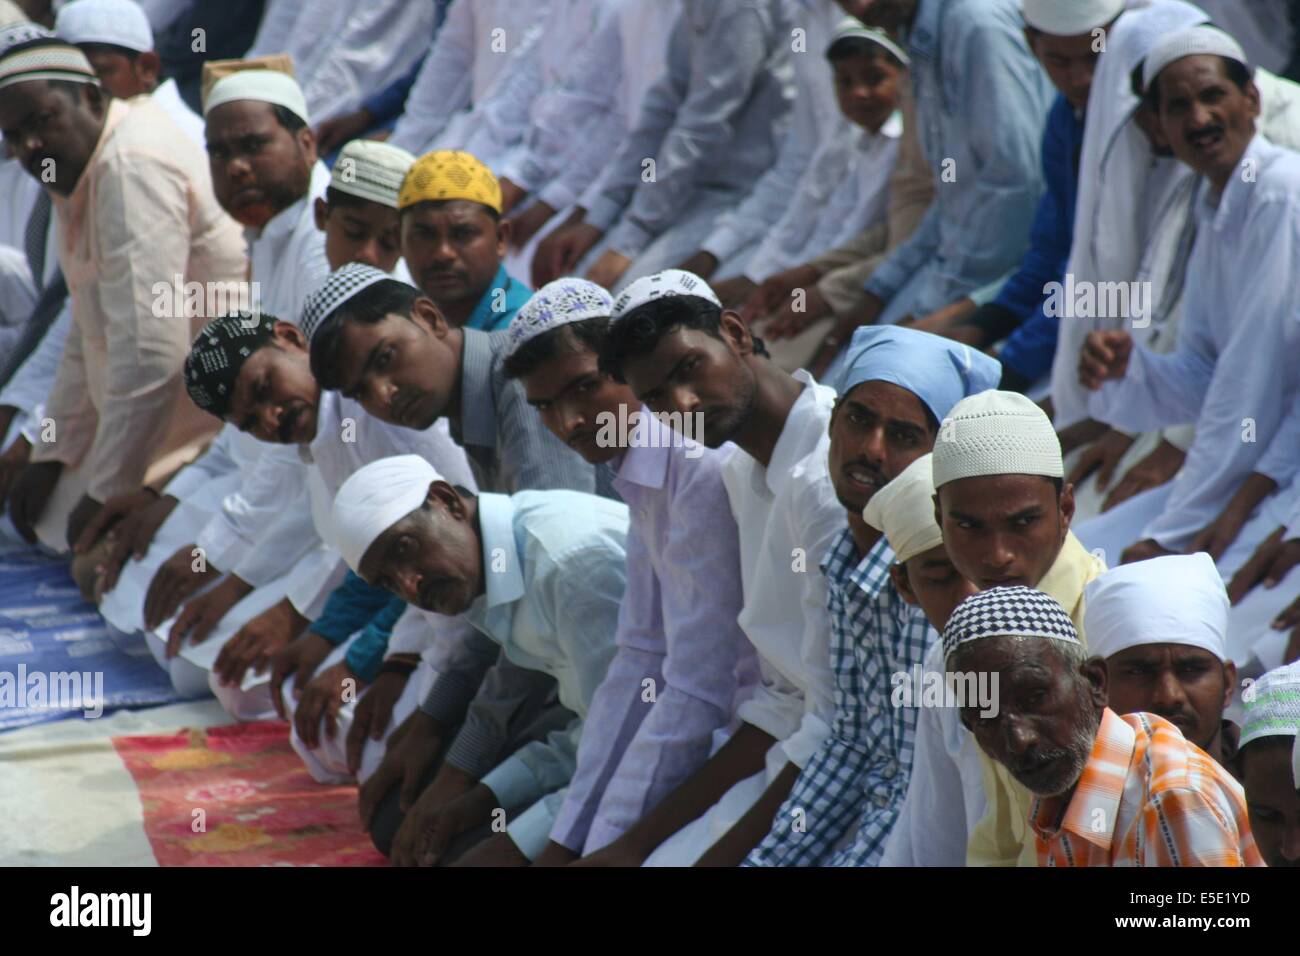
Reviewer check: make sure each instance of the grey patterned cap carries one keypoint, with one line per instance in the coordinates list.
(217, 355)
(555, 304)
(339, 286)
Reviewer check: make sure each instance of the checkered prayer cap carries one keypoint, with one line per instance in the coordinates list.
(339, 286)
(1007, 612)
(555, 304)
(217, 355)
(670, 282)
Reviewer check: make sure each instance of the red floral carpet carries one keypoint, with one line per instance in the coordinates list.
(240, 796)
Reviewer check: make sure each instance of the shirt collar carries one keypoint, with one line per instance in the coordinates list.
(645, 462)
(1094, 802)
(790, 447)
(502, 573)
(478, 417)
(484, 316)
(1074, 567)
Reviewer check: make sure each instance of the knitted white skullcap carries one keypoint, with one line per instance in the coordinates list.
(118, 22)
(1068, 18)
(904, 511)
(371, 170)
(670, 282)
(1194, 41)
(1272, 706)
(558, 303)
(374, 498)
(996, 433)
(265, 86)
(28, 52)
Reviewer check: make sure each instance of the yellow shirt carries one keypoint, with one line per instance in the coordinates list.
(1004, 837)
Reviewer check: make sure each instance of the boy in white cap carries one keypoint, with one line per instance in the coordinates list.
(358, 212)
(1005, 513)
(116, 37)
(120, 424)
(897, 386)
(1225, 374)
(678, 627)
(539, 573)
(1107, 790)
(1161, 626)
(1269, 759)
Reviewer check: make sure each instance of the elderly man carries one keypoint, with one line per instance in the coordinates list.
(678, 628)
(1225, 374)
(1270, 764)
(454, 240)
(540, 573)
(1108, 790)
(1005, 513)
(116, 37)
(1161, 626)
(135, 210)
(898, 387)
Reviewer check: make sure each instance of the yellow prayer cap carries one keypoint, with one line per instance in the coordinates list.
(447, 174)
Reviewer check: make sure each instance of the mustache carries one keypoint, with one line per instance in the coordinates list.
(1211, 130)
(867, 466)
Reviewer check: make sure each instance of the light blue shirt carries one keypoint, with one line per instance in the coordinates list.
(981, 104)
(555, 569)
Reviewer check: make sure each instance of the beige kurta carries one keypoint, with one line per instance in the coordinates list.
(142, 213)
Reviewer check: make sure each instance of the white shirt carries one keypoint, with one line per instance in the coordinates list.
(168, 97)
(787, 514)
(288, 255)
(475, 45)
(844, 190)
(815, 120)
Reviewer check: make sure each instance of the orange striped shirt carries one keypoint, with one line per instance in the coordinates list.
(1147, 797)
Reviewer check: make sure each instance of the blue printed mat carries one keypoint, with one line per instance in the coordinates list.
(58, 657)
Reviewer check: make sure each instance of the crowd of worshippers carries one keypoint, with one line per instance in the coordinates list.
(898, 462)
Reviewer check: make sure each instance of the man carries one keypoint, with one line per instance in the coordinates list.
(1005, 513)
(1161, 626)
(673, 681)
(116, 37)
(706, 129)
(359, 213)
(388, 347)
(541, 573)
(985, 163)
(453, 239)
(682, 354)
(1270, 764)
(1108, 790)
(897, 388)
(134, 207)
(1224, 374)
(1066, 37)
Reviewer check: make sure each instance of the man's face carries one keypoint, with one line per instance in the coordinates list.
(890, 15)
(877, 430)
(431, 558)
(50, 132)
(930, 581)
(571, 395)
(866, 89)
(402, 370)
(258, 167)
(1207, 121)
(453, 250)
(1272, 799)
(1186, 685)
(1068, 61)
(276, 397)
(1046, 719)
(360, 232)
(691, 372)
(122, 75)
(1004, 530)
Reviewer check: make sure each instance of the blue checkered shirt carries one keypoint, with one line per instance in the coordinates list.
(859, 776)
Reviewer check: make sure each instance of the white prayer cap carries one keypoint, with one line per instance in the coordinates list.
(28, 52)
(118, 22)
(558, 303)
(1194, 41)
(371, 170)
(904, 511)
(339, 286)
(265, 86)
(1177, 599)
(1272, 707)
(374, 498)
(853, 27)
(1007, 612)
(996, 433)
(1068, 18)
(670, 282)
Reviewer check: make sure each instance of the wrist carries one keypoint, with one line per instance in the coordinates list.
(397, 667)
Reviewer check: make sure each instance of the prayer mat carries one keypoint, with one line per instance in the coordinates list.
(239, 796)
(58, 658)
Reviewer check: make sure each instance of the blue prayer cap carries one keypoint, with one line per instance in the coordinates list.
(939, 371)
